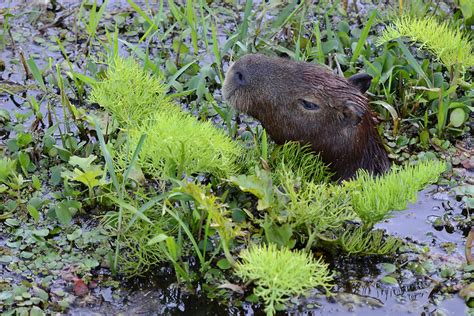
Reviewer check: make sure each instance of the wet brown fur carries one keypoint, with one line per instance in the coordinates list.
(341, 129)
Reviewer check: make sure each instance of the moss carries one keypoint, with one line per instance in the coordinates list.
(176, 142)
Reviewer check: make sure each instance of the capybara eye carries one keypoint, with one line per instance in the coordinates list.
(309, 105)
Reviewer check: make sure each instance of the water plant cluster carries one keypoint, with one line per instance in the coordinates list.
(124, 160)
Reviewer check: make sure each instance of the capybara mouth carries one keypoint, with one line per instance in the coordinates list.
(232, 98)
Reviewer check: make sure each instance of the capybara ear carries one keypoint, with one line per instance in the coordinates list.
(361, 81)
(352, 113)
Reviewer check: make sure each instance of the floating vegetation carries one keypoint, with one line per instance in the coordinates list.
(176, 192)
(374, 197)
(362, 242)
(280, 274)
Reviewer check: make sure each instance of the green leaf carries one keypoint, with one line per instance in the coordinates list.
(6, 259)
(388, 107)
(36, 311)
(24, 160)
(157, 239)
(388, 267)
(36, 183)
(41, 232)
(36, 72)
(89, 178)
(131, 208)
(279, 235)
(413, 63)
(389, 280)
(467, 8)
(65, 210)
(91, 263)
(224, 264)
(363, 36)
(74, 235)
(259, 185)
(172, 248)
(42, 294)
(33, 212)
(457, 117)
(83, 163)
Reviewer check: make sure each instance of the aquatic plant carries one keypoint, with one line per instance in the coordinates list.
(177, 142)
(137, 256)
(130, 93)
(374, 197)
(315, 208)
(302, 162)
(362, 242)
(8, 175)
(451, 46)
(279, 274)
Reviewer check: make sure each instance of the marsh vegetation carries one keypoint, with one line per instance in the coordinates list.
(123, 170)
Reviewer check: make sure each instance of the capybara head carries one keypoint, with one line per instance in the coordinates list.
(300, 101)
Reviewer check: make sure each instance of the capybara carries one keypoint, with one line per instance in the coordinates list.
(301, 101)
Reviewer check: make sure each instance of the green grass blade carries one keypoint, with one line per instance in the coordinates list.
(317, 33)
(180, 71)
(244, 27)
(107, 156)
(190, 235)
(134, 157)
(413, 63)
(145, 207)
(143, 14)
(363, 37)
(217, 54)
(285, 15)
(84, 78)
(36, 72)
(131, 208)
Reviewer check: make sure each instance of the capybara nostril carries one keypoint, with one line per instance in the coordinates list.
(239, 78)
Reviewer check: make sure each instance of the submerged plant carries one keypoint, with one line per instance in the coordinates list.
(450, 45)
(177, 142)
(362, 242)
(374, 197)
(279, 274)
